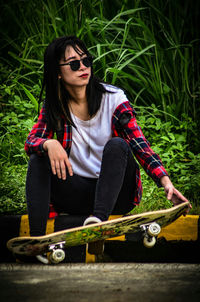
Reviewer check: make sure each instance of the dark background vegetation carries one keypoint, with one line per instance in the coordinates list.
(148, 48)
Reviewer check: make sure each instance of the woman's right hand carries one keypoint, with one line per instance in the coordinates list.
(58, 158)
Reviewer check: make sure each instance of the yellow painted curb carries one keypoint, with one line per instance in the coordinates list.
(24, 226)
(184, 228)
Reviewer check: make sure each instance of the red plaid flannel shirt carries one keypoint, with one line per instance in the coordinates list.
(128, 130)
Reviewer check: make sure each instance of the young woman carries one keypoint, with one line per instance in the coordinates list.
(83, 147)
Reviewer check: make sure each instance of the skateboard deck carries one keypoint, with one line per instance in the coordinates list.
(31, 246)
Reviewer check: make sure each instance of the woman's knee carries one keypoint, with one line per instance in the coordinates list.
(117, 144)
(36, 161)
(33, 158)
(118, 148)
(38, 174)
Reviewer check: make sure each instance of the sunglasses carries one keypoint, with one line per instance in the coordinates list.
(75, 65)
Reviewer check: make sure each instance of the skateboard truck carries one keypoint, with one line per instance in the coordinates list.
(150, 232)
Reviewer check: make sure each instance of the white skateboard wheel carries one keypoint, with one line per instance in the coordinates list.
(57, 256)
(149, 241)
(154, 229)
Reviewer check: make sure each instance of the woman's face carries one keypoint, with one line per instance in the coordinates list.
(72, 78)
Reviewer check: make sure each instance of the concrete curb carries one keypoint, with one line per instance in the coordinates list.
(178, 242)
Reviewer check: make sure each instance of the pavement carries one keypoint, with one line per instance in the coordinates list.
(110, 282)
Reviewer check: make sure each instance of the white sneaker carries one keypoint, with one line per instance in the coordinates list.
(91, 220)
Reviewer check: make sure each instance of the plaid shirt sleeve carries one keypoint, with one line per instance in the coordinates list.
(125, 125)
(38, 135)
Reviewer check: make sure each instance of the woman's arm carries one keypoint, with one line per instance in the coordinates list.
(40, 140)
(38, 135)
(125, 125)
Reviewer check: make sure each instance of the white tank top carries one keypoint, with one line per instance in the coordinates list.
(90, 137)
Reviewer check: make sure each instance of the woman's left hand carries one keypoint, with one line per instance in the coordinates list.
(172, 193)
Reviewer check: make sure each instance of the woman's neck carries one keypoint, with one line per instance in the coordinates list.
(78, 102)
(77, 95)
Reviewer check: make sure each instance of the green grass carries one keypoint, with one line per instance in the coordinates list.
(147, 49)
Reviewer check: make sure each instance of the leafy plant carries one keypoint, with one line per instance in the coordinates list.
(12, 189)
(16, 121)
(183, 166)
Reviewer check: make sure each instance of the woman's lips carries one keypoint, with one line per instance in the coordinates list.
(84, 75)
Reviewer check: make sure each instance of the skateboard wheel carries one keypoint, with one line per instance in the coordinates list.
(149, 241)
(57, 256)
(154, 229)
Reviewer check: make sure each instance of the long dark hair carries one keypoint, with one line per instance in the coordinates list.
(57, 97)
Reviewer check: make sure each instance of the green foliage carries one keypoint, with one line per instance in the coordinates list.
(170, 141)
(16, 121)
(148, 48)
(12, 189)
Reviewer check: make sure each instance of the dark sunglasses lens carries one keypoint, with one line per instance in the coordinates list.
(87, 61)
(75, 65)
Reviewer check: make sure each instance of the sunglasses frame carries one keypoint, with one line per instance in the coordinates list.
(89, 58)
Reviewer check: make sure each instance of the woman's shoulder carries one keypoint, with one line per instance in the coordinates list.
(112, 88)
(113, 97)
(114, 94)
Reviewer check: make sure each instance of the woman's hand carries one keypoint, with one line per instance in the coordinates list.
(58, 158)
(171, 192)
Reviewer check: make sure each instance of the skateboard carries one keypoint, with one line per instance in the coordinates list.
(149, 223)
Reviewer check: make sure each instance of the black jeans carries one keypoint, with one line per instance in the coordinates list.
(111, 193)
